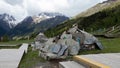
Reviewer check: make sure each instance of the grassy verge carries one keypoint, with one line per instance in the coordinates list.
(16, 42)
(13, 44)
(30, 59)
(110, 46)
(10, 47)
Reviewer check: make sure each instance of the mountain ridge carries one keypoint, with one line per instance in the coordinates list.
(7, 22)
(30, 26)
(96, 22)
(99, 7)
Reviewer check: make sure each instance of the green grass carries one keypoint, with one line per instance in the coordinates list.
(30, 59)
(16, 42)
(10, 47)
(110, 46)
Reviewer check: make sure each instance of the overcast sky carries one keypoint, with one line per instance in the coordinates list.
(22, 8)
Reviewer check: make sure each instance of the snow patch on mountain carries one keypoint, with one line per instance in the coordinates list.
(44, 15)
(8, 19)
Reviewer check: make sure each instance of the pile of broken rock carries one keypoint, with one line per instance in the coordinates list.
(71, 42)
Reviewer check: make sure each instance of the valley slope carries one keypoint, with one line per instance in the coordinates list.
(96, 22)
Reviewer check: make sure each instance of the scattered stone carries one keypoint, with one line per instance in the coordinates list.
(69, 43)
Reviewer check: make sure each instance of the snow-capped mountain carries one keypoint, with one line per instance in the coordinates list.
(9, 19)
(38, 23)
(44, 15)
(7, 22)
(50, 14)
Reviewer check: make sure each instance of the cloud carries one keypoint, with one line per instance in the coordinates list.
(45, 5)
(16, 10)
(22, 8)
(14, 2)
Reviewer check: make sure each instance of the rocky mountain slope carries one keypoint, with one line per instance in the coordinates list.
(38, 23)
(7, 22)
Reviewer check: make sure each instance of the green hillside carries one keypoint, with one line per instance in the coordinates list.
(97, 22)
(100, 20)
